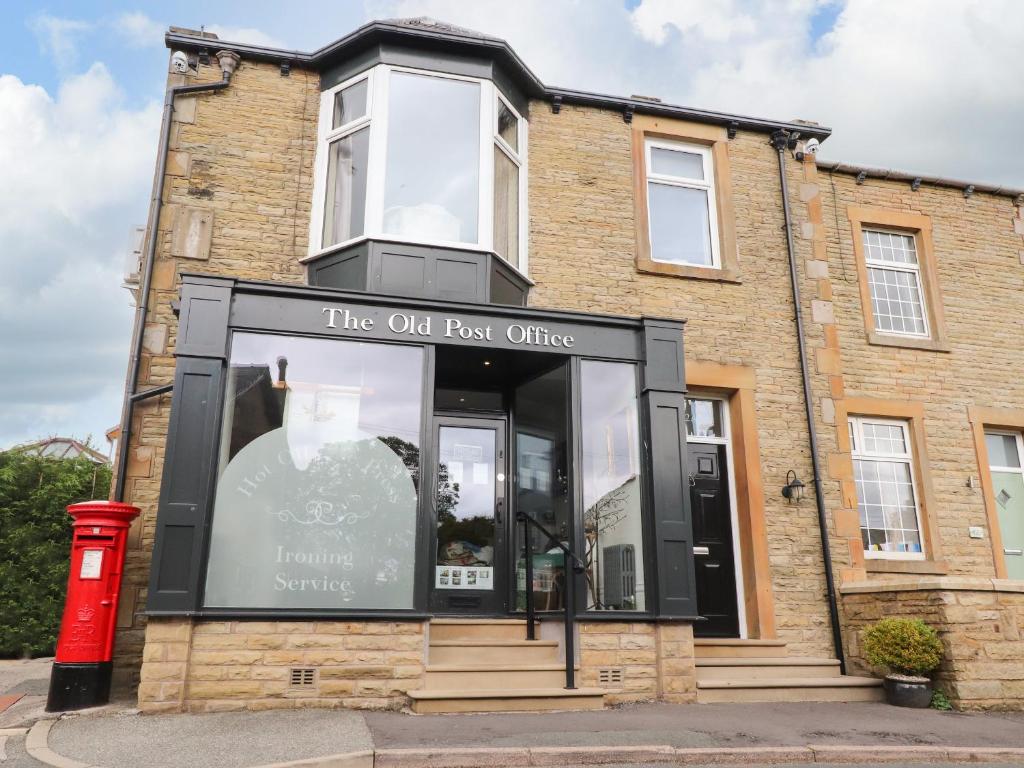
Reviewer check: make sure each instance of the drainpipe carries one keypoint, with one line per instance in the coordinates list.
(228, 61)
(780, 140)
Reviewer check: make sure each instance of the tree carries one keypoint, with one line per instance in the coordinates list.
(35, 541)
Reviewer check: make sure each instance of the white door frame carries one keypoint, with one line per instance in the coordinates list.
(726, 440)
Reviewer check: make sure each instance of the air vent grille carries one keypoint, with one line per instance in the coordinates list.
(610, 676)
(303, 677)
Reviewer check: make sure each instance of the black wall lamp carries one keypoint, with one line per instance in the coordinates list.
(793, 490)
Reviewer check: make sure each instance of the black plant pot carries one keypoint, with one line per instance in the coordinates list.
(908, 692)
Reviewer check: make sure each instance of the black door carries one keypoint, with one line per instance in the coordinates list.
(468, 569)
(712, 542)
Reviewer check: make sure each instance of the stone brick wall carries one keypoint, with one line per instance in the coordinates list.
(214, 666)
(655, 660)
(237, 199)
(979, 255)
(980, 622)
(582, 257)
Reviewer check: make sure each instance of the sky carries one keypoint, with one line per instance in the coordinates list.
(929, 86)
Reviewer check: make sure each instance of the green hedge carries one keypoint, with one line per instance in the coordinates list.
(35, 540)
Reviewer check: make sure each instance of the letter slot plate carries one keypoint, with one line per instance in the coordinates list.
(701, 551)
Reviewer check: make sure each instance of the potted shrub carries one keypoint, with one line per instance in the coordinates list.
(910, 650)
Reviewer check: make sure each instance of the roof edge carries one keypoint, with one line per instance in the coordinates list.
(365, 34)
(884, 174)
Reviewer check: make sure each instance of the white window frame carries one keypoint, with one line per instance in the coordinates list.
(377, 118)
(856, 426)
(707, 184)
(1019, 439)
(914, 269)
(519, 158)
(723, 405)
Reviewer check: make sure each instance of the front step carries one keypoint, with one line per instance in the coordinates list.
(505, 700)
(510, 676)
(477, 629)
(748, 668)
(493, 652)
(731, 647)
(848, 688)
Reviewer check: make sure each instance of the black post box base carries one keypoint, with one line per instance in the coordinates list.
(77, 686)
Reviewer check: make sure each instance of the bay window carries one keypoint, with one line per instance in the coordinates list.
(420, 157)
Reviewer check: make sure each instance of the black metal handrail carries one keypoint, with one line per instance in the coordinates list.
(570, 594)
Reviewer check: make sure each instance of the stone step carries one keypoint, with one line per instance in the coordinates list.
(490, 652)
(730, 647)
(473, 629)
(847, 688)
(441, 677)
(503, 700)
(745, 668)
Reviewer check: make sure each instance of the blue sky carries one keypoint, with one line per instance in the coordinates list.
(929, 86)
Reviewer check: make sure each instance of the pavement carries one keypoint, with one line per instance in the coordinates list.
(632, 736)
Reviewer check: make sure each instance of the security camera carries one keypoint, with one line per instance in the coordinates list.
(811, 147)
(179, 63)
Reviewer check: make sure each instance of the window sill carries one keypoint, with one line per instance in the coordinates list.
(720, 275)
(906, 342)
(926, 567)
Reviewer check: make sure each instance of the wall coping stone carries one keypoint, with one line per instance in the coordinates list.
(941, 583)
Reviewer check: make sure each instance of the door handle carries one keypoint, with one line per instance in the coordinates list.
(701, 551)
(1013, 551)
(498, 510)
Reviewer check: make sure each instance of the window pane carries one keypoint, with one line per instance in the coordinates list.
(345, 198)
(612, 525)
(890, 246)
(316, 501)
(508, 125)
(703, 418)
(888, 509)
(542, 466)
(896, 301)
(1002, 450)
(680, 229)
(432, 179)
(350, 103)
(674, 162)
(506, 207)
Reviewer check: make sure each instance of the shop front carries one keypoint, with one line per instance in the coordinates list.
(341, 454)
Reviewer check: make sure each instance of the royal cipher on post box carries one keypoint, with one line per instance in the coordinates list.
(81, 670)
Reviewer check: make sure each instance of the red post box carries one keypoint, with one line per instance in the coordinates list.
(81, 670)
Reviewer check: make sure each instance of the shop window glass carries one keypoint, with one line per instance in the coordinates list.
(612, 520)
(432, 179)
(317, 495)
(542, 487)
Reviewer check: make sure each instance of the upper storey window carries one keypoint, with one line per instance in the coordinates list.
(894, 275)
(420, 157)
(681, 204)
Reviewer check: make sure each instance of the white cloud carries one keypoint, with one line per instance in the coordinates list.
(59, 37)
(138, 29)
(719, 21)
(245, 35)
(77, 174)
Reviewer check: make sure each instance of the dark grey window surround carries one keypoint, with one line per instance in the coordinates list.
(212, 308)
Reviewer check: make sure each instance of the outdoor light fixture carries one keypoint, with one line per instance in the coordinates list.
(487, 362)
(794, 487)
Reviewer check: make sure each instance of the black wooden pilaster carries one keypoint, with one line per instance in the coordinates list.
(190, 463)
(664, 407)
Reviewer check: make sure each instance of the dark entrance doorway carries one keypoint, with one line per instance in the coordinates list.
(470, 506)
(503, 415)
(714, 558)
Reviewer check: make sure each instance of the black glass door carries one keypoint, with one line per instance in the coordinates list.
(712, 542)
(470, 512)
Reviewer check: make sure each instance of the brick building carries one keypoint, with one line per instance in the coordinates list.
(605, 333)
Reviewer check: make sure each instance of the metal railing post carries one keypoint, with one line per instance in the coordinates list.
(570, 623)
(531, 615)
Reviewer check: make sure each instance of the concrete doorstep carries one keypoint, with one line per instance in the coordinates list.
(37, 745)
